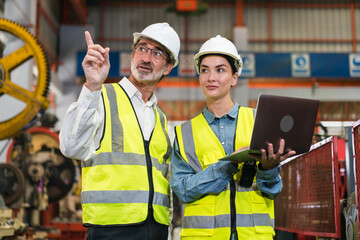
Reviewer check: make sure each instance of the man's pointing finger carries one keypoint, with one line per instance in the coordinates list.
(88, 39)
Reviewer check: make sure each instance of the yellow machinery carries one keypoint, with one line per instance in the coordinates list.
(36, 173)
(35, 97)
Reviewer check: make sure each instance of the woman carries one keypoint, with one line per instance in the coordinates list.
(223, 200)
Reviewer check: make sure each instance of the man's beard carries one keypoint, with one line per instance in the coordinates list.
(145, 76)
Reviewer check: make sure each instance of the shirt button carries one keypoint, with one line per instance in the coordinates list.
(221, 126)
(222, 143)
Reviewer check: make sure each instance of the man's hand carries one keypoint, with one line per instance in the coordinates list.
(271, 159)
(96, 64)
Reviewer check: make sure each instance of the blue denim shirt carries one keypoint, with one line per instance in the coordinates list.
(189, 186)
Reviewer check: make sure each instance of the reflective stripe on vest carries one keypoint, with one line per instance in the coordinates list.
(221, 221)
(189, 152)
(115, 186)
(123, 159)
(209, 217)
(123, 197)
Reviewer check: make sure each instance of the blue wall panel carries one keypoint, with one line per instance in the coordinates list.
(270, 65)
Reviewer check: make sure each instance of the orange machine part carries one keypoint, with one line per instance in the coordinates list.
(186, 5)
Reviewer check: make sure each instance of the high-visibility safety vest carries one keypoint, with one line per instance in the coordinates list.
(126, 180)
(215, 216)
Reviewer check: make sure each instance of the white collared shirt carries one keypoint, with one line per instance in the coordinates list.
(83, 123)
(145, 112)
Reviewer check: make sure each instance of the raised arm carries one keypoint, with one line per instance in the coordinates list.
(81, 131)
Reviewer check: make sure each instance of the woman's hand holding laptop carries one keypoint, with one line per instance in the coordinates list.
(269, 159)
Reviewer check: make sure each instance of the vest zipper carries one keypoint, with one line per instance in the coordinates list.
(150, 177)
(232, 208)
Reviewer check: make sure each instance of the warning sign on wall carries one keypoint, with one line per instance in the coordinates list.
(300, 65)
(354, 63)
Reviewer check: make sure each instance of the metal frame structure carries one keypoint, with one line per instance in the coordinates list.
(239, 5)
(79, 9)
(310, 200)
(270, 39)
(356, 148)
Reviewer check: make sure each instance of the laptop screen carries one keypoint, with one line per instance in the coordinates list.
(292, 119)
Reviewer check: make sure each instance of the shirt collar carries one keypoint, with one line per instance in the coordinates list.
(232, 114)
(132, 91)
(234, 111)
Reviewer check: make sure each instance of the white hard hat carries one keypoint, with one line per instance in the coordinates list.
(164, 34)
(219, 45)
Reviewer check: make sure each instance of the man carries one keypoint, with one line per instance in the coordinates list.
(121, 137)
(222, 199)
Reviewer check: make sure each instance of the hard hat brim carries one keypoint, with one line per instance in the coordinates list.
(198, 55)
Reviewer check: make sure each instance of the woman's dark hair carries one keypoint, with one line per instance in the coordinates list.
(228, 58)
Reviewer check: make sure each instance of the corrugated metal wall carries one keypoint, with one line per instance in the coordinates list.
(47, 33)
(283, 26)
(273, 26)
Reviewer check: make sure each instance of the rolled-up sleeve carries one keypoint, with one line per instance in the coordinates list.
(269, 181)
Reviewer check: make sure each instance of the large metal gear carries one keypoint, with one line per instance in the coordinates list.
(43, 160)
(12, 183)
(19, 49)
(58, 170)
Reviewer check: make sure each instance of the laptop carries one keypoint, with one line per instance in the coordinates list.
(292, 119)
